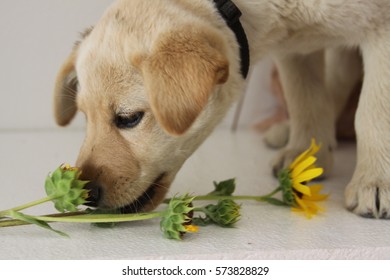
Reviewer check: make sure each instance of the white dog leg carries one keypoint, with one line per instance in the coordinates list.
(310, 108)
(368, 193)
(343, 69)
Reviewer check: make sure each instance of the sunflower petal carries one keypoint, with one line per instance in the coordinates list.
(312, 206)
(298, 159)
(315, 193)
(302, 211)
(313, 149)
(316, 188)
(304, 207)
(302, 166)
(309, 175)
(308, 207)
(316, 197)
(301, 188)
(191, 228)
(301, 203)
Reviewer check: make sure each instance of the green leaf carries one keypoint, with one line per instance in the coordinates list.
(78, 184)
(56, 175)
(177, 219)
(79, 201)
(69, 174)
(49, 186)
(63, 187)
(35, 221)
(224, 188)
(58, 205)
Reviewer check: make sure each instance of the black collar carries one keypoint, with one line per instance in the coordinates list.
(231, 14)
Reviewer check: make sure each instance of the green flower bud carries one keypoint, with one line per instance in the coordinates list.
(65, 188)
(177, 217)
(225, 213)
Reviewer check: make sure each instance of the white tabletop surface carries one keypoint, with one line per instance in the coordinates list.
(264, 231)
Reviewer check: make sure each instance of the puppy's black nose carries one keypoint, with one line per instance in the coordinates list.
(94, 194)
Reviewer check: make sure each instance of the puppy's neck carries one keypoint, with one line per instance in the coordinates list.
(262, 24)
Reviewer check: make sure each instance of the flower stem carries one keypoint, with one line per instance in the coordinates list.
(101, 218)
(15, 222)
(82, 217)
(27, 205)
(238, 197)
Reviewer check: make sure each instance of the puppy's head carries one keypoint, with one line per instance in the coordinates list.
(148, 101)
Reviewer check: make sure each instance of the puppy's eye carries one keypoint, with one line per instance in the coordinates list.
(128, 121)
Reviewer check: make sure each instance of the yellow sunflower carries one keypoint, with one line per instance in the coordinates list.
(307, 205)
(294, 179)
(303, 170)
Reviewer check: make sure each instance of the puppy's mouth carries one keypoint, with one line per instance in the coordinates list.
(147, 198)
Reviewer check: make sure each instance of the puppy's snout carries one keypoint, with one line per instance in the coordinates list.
(94, 194)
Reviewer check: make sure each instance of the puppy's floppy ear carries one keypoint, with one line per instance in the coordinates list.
(65, 90)
(180, 75)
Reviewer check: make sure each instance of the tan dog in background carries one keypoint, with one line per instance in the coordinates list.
(154, 77)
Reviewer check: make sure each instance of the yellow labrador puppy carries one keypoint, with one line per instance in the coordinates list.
(154, 77)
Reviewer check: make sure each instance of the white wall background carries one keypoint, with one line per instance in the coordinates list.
(37, 35)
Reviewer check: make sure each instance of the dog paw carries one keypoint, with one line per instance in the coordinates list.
(277, 135)
(369, 198)
(287, 155)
